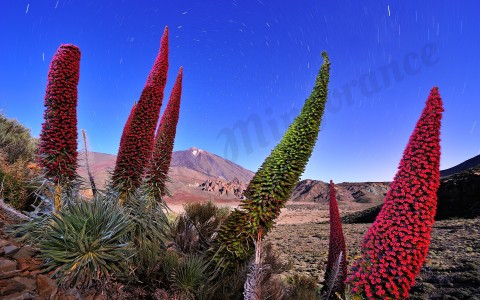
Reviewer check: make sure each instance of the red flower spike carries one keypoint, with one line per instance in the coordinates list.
(336, 247)
(162, 153)
(136, 148)
(409, 207)
(128, 124)
(58, 139)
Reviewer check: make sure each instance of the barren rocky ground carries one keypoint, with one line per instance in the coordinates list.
(452, 270)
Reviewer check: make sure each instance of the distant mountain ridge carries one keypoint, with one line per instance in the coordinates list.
(468, 164)
(358, 192)
(363, 192)
(193, 169)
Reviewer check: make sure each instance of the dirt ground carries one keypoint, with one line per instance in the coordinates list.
(452, 270)
(293, 213)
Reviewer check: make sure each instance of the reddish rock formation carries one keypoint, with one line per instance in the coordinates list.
(221, 187)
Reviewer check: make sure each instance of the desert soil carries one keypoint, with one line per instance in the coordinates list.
(452, 270)
(293, 213)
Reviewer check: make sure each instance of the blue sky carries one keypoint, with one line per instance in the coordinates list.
(256, 62)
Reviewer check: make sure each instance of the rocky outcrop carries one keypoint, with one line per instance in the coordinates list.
(459, 195)
(221, 187)
(365, 216)
(310, 190)
(360, 192)
(20, 272)
(366, 192)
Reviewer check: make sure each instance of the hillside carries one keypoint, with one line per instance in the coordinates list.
(188, 169)
(347, 192)
(209, 164)
(468, 164)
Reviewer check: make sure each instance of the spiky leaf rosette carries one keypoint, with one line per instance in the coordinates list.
(395, 246)
(58, 139)
(162, 152)
(335, 274)
(274, 181)
(84, 242)
(135, 153)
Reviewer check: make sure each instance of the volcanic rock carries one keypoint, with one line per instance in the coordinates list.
(46, 286)
(221, 187)
(7, 265)
(25, 252)
(459, 195)
(468, 164)
(29, 283)
(10, 250)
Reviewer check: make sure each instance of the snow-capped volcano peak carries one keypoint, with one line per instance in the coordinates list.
(195, 151)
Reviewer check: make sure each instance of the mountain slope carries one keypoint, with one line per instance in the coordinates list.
(362, 192)
(468, 164)
(210, 164)
(188, 169)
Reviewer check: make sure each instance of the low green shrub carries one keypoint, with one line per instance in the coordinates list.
(17, 153)
(189, 277)
(194, 230)
(16, 186)
(302, 287)
(15, 141)
(170, 262)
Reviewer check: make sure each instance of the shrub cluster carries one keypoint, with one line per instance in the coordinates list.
(16, 142)
(17, 167)
(16, 186)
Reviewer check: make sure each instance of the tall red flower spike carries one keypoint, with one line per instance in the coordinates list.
(58, 139)
(135, 152)
(336, 271)
(128, 124)
(162, 153)
(396, 245)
